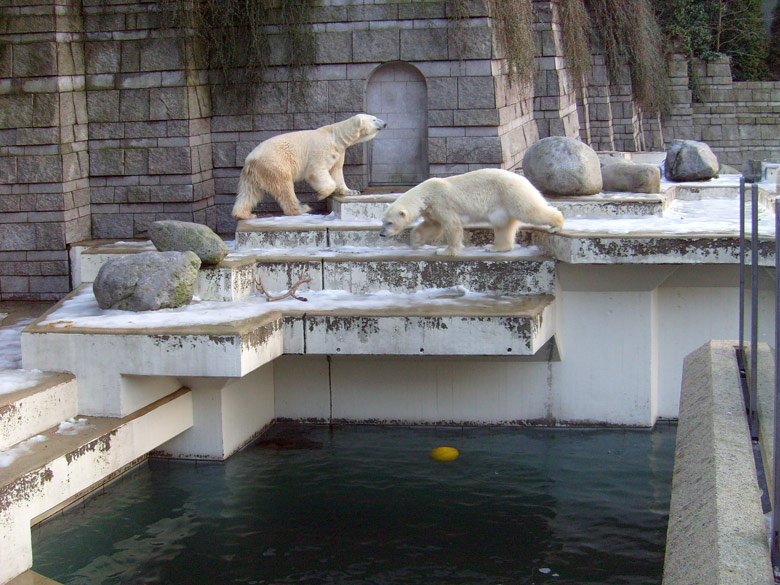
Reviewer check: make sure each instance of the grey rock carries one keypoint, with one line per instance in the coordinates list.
(618, 174)
(690, 160)
(147, 281)
(182, 236)
(559, 165)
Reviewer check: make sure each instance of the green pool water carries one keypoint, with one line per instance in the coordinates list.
(367, 505)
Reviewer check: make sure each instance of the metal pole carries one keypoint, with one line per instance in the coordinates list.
(776, 449)
(742, 267)
(754, 312)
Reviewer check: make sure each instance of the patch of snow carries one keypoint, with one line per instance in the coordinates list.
(82, 310)
(10, 455)
(13, 380)
(682, 217)
(72, 426)
(11, 345)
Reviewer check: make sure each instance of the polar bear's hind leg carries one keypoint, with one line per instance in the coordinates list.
(504, 236)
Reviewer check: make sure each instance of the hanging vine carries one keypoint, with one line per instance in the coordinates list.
(575, 32)
(241, 39)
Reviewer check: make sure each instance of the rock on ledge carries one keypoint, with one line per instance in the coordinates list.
(181, 236)
(147, 281)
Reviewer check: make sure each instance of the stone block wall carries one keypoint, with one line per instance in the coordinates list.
(738, 120)
(107, 125)
(149, 123)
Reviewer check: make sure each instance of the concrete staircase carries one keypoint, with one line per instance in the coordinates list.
(204, 387)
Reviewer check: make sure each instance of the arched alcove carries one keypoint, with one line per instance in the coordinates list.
(396, 93)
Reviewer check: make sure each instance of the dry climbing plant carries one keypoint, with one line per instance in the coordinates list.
(575, 32)
(512, 22)
(241, 39)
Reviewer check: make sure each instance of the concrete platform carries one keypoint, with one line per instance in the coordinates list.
(62, 464)
(50, 399)
(716, 530)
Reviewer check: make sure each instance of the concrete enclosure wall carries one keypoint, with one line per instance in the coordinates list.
(106, 124)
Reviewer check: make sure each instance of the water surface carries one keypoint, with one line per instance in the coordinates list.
(366, 505)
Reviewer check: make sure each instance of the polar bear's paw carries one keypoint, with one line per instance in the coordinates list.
(494, 248)
(448, 251)
(305, 209)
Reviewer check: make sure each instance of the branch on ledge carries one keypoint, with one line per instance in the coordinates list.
(303, 279)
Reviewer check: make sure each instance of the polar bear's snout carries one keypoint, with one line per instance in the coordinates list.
(381, 124)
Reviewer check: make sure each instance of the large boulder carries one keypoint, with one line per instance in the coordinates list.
(690, 160)
(559, 165)
(147, 281)
(619, 174)
(181, 236)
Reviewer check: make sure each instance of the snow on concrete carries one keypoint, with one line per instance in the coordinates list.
(12, 377)
(82, 311)
(10, 455)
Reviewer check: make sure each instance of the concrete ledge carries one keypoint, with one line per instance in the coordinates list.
(27, 412)
(716, 531)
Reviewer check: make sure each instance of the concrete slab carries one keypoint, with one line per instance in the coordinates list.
(63, 465)
(29, 411)
(716, 528)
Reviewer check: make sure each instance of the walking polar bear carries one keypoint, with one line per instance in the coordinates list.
(501, 198)
(316, 156)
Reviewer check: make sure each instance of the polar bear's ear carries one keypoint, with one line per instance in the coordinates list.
(403, 213)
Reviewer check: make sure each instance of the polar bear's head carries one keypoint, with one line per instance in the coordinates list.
(396, 218)
(360, 128)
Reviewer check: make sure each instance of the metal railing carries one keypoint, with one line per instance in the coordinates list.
(750, 371)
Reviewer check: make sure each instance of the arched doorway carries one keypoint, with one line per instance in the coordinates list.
(396, 93)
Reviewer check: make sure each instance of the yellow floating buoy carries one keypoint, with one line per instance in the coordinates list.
(444, 454)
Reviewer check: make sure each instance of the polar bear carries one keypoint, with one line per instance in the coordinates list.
(316, 156)
(501, 198)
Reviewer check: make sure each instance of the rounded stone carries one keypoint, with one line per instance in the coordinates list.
(619, 174)
(559, 165)
(182, 236)
(690, 160)
(147, 281)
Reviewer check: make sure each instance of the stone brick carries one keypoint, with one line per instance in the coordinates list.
(309, 97)
(485, 150)
(35, 59)
(146, 129)
(17, 236)
(46, 110)
(375, 45)
(49, 236)
(224, 154)
(168, 103)
(170, 161)
(475, 117)
(14, 284)
(134, 105)
(173, 193)
(270, 98)
(16, 111)
(476, 93)
(334, 47)
(49, 284)
(160, 55)
(39, 169)
(7, 172)
(442, 93)
(345, 95)
(102, 56)
(424, 44)
(106, 161)
(112, 225)
(136, 161)
(103, 106)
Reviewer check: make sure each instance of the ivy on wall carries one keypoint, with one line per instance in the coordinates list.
(240, 39)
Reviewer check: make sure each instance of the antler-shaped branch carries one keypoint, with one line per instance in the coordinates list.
(290, 293)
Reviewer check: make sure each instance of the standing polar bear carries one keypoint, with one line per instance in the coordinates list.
(501, 198)
(316, 156)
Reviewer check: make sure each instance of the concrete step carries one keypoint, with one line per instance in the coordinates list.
(330, 231)
(411, 325)
(41, 401)
(59, 465)
(371, 207)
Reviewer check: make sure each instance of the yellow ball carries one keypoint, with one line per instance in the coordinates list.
(444, 454)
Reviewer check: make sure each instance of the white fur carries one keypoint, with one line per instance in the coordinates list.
(501, 198)
(314, 156)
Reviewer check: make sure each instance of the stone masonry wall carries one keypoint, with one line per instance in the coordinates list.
(739, 120)
(106, 124)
